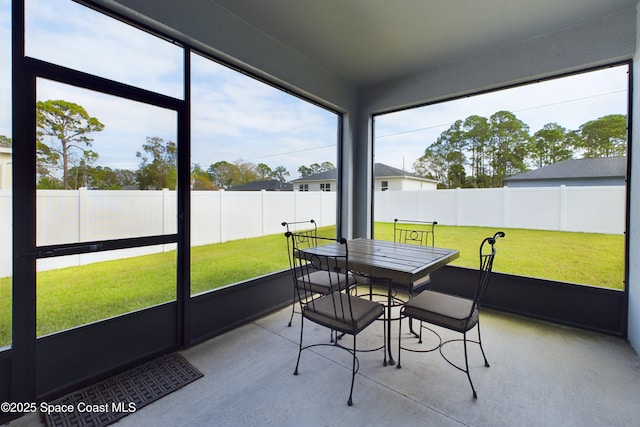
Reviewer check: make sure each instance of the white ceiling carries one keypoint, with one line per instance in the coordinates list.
(370, 41)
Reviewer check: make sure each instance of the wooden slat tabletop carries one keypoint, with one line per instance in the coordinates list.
(401, 262)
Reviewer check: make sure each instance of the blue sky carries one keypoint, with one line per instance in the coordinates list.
(237, 118)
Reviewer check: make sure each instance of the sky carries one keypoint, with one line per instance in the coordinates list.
(238, 118)
(401, 137)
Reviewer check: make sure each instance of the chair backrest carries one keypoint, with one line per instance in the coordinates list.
(487, 254)
(334, 262)
(306, 232)
(416, 232)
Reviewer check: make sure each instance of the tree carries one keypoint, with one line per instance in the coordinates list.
(280, 173)
(222, 174)
(158, 166)
(315, 168)
(549, 145)
(510, 137)
(432, 164)
(445, 160)
(70, 125)
(200, 179)
(5, 140)
(478, 137)
(265, 173)
(604, 137)
(102, 178)
(246, 172)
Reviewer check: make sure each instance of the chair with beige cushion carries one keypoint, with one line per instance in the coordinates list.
(337, 310)
(453, 312)
(306, 234)
(421, 233)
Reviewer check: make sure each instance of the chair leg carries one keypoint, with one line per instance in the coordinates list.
(411, 328)
(295, 372)
(293, 310)
(466, 363)
(293, 307)
(400, 339)
(486, 363)
(353, 372)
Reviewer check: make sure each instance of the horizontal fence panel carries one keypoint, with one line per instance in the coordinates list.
(579, 209)
(279, 206)
(58, 217)
(534, 208)
(70, 216)
(595, 208)
(481, 207)
(205, 217)
(241, 215)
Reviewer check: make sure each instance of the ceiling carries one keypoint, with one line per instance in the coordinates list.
(365, 42)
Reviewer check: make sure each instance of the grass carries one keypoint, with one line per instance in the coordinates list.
(75, 296)
(583, 258)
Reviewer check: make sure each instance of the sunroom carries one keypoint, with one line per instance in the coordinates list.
(345, 64)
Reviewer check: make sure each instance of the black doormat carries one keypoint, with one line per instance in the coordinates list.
(108, 401)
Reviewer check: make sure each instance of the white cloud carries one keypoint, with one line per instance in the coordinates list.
(66, 33)
(236, 117)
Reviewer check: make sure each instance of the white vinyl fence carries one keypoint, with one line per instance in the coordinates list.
(575, 209)
(218, 216)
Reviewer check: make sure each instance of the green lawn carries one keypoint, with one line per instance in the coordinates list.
(584, 258)
(75, 296)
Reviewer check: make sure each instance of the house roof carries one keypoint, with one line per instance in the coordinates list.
(380, 171)
(591, 168)
(271, 185)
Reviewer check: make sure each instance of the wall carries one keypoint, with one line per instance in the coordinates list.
(634, 213)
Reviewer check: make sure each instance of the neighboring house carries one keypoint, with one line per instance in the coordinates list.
(5, 167)
(386, 178)
(272, 185)
(574, 172)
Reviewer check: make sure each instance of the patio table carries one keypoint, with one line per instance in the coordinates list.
(397, 263)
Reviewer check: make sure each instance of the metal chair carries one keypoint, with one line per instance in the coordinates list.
(454, 312)
(417, 232)
(420, 233)
(306, 238)
(339, 311)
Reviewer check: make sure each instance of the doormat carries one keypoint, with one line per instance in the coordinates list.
(116, 397)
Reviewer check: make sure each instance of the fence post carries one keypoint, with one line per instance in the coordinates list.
(457, 207)
(295, 205)
(83, 200)
(320, 204)
(505, 206)
(563, 207)
(221, 195)
(262, 196)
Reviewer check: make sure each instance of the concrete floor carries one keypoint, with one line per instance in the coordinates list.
(540, 375)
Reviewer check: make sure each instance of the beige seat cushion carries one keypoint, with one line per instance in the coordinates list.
(332, 311)
(449, 311)
(323, 282)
